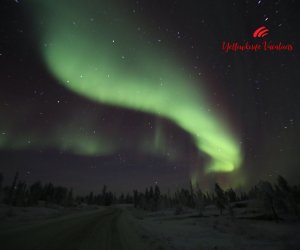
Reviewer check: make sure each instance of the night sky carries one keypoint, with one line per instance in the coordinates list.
(137, 93)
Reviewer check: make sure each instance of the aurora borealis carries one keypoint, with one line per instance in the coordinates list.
(105, 69)
(100, 79)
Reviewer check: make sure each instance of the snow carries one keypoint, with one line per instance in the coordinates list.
(189, 231)
(17, 216)
(165, 230)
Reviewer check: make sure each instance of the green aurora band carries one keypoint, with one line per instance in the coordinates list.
(97, 51)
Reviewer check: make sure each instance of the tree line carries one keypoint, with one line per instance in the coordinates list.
(19, 193)
(274, 198)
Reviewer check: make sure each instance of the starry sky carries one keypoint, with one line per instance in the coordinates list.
(136, 93)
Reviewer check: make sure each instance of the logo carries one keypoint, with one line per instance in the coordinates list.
(262, 46)
(261, 32)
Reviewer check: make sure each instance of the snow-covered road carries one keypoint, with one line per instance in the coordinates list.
(105, 230)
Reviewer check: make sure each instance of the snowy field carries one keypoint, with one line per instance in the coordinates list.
(189, 231)
(139, 229)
